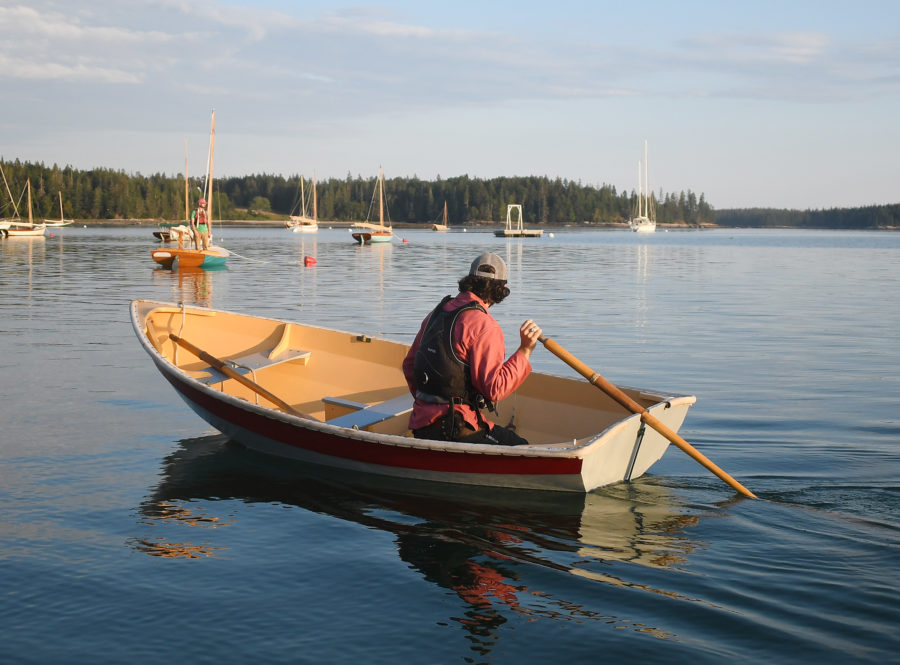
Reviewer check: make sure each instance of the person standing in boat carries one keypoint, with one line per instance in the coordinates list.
(200, 225)
(455, 366)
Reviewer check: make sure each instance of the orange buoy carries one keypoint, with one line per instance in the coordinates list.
(309, 261)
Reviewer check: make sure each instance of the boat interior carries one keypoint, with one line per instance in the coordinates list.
(354, 380)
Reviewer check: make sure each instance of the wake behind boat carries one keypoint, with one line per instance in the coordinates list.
(339, 399)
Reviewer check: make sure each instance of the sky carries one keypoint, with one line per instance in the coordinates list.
(783, 104)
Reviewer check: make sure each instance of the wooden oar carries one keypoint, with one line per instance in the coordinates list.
(646, 416)
(237, 376)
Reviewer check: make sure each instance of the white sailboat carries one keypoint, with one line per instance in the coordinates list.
(16, 227)
(366, 233)
(645, 219)
(20, 229)
(304, 223)
(62, 220)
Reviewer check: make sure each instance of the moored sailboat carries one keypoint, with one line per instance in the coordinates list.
(210, 257)
(20, 229)
(305, 223)
(443, 226)
(16, 227)
(366, 233)
(62, 220)
(644, 220)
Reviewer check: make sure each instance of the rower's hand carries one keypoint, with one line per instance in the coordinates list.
(529, 333)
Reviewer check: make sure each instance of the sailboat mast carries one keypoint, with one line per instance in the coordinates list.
(11, 199)
(187, 212)
(380, 197)
(30, 218)
(315, 210)
(302, 199)
(209, 176)
(640, 193)
(647, 177)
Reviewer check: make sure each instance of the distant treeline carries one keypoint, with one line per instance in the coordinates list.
(108, 194)
(868, 217)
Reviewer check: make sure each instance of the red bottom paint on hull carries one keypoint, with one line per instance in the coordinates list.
(285, 437)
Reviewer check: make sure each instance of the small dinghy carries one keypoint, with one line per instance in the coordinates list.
(339, 399)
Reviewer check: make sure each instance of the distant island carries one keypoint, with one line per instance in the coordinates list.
(105, 194)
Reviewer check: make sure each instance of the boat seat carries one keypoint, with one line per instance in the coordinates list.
(366, 415)
(282, 352)
(253, 362)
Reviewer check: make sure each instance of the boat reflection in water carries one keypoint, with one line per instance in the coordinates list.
(192, 286)
(481, 543)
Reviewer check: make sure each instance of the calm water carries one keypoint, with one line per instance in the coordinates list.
(131, 532)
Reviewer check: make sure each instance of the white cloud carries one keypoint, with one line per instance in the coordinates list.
(74, 72)
(30, 23)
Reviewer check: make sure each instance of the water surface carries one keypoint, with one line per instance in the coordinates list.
(129, 530)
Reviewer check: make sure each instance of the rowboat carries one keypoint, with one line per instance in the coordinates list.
(339, 399)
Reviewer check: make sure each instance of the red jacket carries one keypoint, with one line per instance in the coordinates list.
(477, 341)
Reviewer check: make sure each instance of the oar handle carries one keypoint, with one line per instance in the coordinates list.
(616, 393)
(237, 376)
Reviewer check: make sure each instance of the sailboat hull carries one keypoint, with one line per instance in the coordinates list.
(643, 225)
(23, 231)
(365, 237)
(519, 233)
(367, 233)
(213, 257)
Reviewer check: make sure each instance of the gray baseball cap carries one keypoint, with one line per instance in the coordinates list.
(489, 265)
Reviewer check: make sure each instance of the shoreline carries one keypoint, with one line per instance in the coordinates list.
(426, 226)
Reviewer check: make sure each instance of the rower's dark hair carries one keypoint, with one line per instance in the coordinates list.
(492, 291)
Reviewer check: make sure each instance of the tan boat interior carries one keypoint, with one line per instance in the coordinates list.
(354, 380)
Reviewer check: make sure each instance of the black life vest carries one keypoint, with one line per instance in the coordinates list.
(441, 377)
